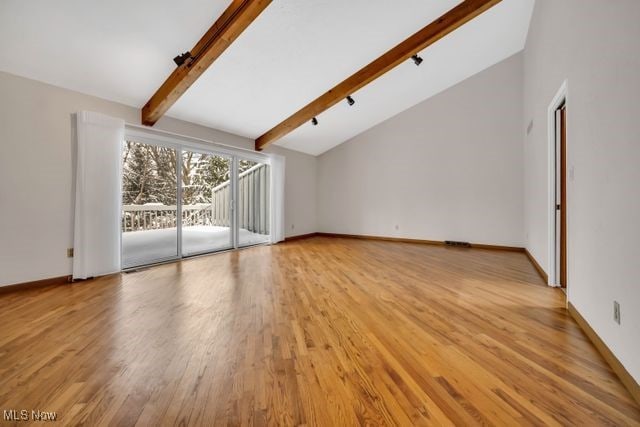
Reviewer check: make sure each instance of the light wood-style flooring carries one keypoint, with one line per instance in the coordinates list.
(321, 331)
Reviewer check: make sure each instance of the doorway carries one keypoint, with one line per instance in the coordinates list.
(181, 200)
(561, 194)
(557, 118)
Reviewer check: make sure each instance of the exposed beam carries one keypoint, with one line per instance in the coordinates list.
(233, 21)
(453, 19)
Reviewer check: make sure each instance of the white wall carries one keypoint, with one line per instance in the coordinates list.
(36, 201)
(449, 168)
(595, 45)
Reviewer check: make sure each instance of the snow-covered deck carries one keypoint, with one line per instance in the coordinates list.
(144, 247)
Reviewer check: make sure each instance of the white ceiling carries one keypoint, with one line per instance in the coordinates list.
(296, 50)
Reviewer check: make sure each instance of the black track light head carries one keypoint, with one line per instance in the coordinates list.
(417, 60)
(350, 100)
(314, 121)
(181, 59)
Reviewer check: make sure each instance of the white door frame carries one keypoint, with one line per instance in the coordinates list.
(562, 96)
(235, 232)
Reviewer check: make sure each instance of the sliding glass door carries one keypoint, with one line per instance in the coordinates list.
(149, 204)
(180, 201)
(253, 203)
(206, 203)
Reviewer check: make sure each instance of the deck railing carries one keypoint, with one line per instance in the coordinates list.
(253, 207)
(253, 200)
(156, 216)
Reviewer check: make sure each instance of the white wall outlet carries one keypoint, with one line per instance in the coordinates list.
(293, 226)
(571, 172)
(397, 227)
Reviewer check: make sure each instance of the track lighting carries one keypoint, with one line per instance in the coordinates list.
(181, 59)
(416, 59)
(350, 100)
(314, 121)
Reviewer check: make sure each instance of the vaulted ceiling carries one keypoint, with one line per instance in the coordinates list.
(294, 51)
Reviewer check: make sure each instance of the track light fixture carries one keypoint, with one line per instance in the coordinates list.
(350, 100)
(314, 121)
(417, 60)
(181, 59)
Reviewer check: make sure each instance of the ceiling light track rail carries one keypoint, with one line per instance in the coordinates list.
(436, 30)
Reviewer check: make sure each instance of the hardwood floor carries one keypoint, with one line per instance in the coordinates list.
(322, 331)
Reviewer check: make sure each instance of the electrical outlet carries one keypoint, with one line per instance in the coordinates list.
(397, 227)
(69, 252)
(293, 226)
(616, 312)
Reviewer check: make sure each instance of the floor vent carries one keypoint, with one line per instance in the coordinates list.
(458, 244)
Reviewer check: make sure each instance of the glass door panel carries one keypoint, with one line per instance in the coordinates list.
(149, 204)
(206, 203)
(254, 219)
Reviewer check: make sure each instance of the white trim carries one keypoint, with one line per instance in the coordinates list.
(233, 213)
(277, 199)
(146, 134)
(179, 192)
(561, 96)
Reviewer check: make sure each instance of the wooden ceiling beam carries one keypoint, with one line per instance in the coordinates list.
(233, 21)
(450, 21)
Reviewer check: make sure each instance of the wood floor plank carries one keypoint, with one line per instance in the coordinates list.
(321, 331)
